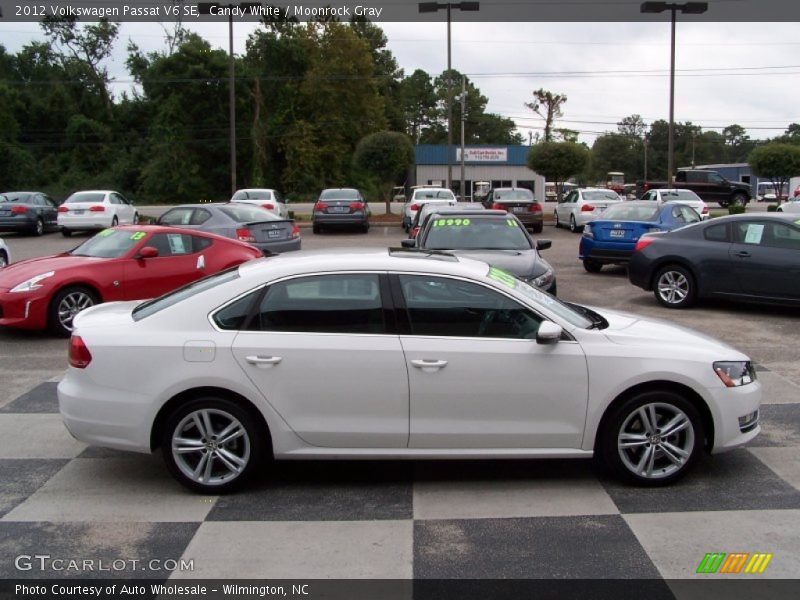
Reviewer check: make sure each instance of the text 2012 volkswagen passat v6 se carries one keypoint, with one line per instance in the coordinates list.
(396, 354)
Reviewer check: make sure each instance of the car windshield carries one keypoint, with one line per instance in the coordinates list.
(544, 299)
(434, 195)
(513, 195)
(600, 195)
(15, 197)
(86, 197)
(150, 307)
(109, 243)
(475, 233)
(630, 212)
(244, 213)
(252, 195)
(679, 195)
(339, 195)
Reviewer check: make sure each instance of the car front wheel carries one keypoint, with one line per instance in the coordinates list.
(653, 438)
(212, 445)
(66, 305)
(674, 287)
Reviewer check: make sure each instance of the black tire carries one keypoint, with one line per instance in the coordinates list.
(666, 406)
(573, 226)
(739, 199)
(365, 228)
(38, 228)
(316, 229)
(59, 324)
(555, 219)
(3, 259)
(114, 221)
(538, 228)
(592, 266)
(674, 287)
(135, 218)
(251, 447)
(66, 232)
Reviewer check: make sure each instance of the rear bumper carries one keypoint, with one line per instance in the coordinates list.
(530, 219)
(19, 223)
(605, 252)
(278, 247)
(86, 221)
(359, 218)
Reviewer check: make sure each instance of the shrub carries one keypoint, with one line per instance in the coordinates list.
(735, 209)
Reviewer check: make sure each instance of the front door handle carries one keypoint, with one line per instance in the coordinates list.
(429, 366)
(742, 254)
(263, 360)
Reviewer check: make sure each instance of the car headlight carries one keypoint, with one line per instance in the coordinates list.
(735, 373)
(543, 280)
(32, 283)
(587, 231)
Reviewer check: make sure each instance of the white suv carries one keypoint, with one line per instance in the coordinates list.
(425, 195)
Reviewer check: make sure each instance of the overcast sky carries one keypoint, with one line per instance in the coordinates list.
(726, 72)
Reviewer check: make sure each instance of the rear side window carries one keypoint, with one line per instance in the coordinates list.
(346, 303)
(145, 309)
(234, 316)
(716, 233)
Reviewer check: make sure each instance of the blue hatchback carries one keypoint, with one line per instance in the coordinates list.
(612, 237)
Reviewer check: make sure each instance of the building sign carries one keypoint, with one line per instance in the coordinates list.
(483, 154)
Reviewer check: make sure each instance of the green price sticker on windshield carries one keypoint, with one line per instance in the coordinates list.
(105, 233)
(452, 223)
(511, 222)
(138, 236)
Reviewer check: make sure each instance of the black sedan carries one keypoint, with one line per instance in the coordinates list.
(749, 257)
(28, 212)
(493, 236)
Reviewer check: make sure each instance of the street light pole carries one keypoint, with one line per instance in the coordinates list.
(427, 7)
(463, 123)
(691, 8)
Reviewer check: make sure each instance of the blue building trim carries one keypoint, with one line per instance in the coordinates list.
(430, 154)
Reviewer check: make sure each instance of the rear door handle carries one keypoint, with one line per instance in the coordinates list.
(429, 366)
(263, 360)
(742, 254)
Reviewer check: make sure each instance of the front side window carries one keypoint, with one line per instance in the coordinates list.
(439, 306)
(342, 303)
(773, 235)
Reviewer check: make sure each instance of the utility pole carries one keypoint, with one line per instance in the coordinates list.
(232, 101)
(694, 136)
(646, 139)
(463, 124)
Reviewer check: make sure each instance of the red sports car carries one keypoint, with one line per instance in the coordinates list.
(124, 263)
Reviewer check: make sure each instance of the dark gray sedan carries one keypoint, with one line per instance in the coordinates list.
(28, 212)
(253, 224)
(341, 207)
(493, 236)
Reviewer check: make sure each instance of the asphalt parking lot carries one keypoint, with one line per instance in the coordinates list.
(466, 519)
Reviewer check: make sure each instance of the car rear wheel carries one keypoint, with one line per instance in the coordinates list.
(538, 228)
(212, 445)
(573, 226)
(66, 304)
(135, 218)
(114, 221)
(316, 229)
(674, 287)
(592, 266)
(739, 199)
(653, 438)
(66, 232)
(38, 228)
(3, 259)
(555, 219)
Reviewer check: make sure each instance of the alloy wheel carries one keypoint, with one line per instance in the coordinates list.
(673, 287)
(70, 305)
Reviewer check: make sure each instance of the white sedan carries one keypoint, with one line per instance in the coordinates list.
(583, 205)
(401, 355)
(790, 206)
(95, 209)
(265, 198)
(687, 197)
(5, 254)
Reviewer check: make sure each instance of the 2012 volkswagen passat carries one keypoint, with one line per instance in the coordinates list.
(396, 354)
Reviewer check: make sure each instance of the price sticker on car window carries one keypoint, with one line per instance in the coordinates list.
(754, 233)
(105, 233)
(511, 223)
(138, 236)
(503, 277)
(452, 223)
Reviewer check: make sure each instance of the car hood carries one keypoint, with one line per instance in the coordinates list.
(16, 273)
(522, 263)
(634, 330)
(105, 315)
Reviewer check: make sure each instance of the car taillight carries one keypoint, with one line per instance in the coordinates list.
(79, 355)
(587, 208)
(295, 231)
(320, 205)
(643, 243)
(18, 210)
(268, 206)
(496, 206)
(414, 232)
(63, 209)
(244, 235)
(705, 210)
(535, 207)
(98, 208)
(356, 206)
(645, 187)
(414, 207)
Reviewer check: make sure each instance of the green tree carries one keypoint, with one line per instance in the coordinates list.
(547, 105)
(632, 126)
(558, 161)
(418, 103)
(777, 162)
(386, 156)
(616, 152)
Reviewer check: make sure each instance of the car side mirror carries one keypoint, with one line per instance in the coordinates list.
(549, 333)
(409, 243)
(148, 252)
(543, 244)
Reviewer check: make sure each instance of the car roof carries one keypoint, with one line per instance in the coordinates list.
(473, 212)
(95, 192)
(255, 190)
(596, 189)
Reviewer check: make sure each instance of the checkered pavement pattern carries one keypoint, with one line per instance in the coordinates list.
(396, 520)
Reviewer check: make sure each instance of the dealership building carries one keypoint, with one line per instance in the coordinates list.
(502, 166)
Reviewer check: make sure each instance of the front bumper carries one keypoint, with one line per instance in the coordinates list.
(25, 310)
(727, 407)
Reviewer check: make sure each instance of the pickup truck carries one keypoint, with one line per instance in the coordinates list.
(709, 185)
